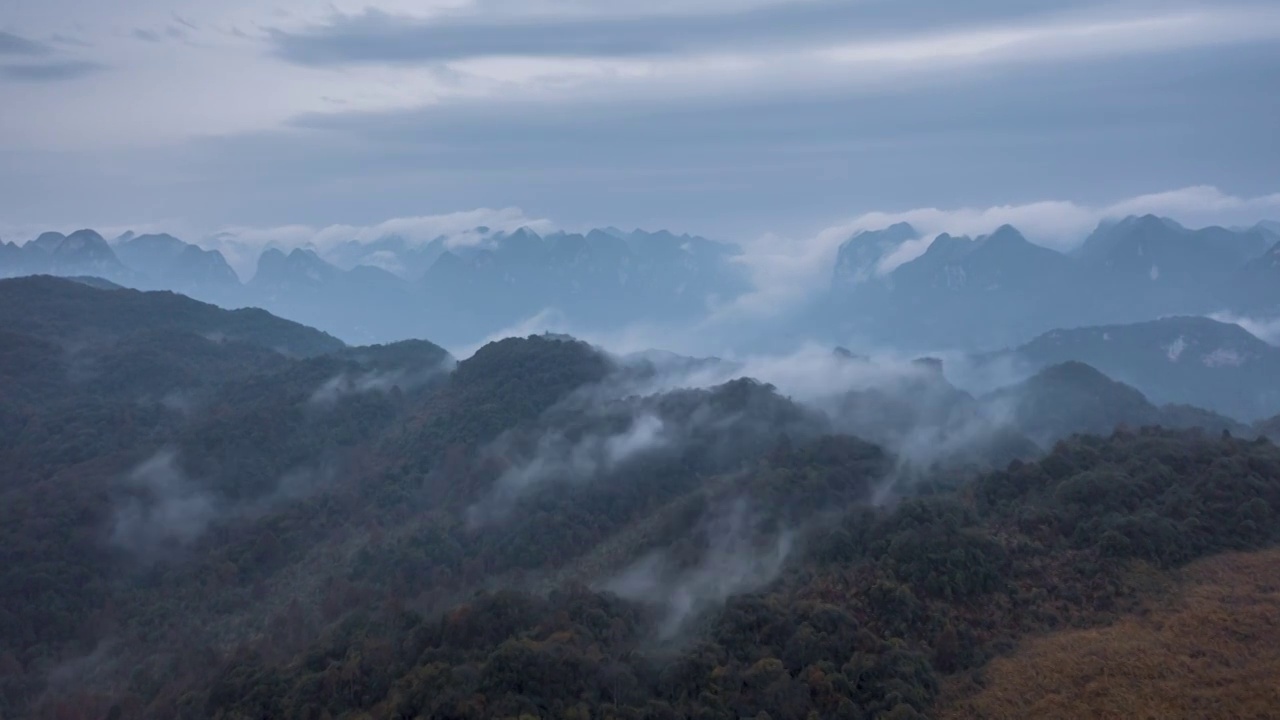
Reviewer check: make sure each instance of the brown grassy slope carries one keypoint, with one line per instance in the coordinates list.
(1212, 650)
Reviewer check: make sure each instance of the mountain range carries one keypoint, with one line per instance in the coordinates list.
(1001, 289)
(1184, 360)
(996, 290)
(390, 289)
(226, 514)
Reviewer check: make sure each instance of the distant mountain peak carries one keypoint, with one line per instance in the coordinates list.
(859, 257)
(524, 233)
(47, 242)
(1006, 234)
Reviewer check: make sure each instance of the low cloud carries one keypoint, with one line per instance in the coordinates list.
(164, 508)
(242, 245)
(738, 559)
(559, 458)
(50, 72)
(11, 44)
(1265, 329)
(346, 384)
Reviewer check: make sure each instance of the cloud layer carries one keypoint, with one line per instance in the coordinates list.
(722, 117)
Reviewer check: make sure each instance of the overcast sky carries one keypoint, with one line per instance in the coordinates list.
(733, 118)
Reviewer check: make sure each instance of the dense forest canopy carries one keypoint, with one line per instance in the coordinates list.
(219, 514)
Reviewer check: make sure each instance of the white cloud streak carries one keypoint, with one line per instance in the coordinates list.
(242, 245)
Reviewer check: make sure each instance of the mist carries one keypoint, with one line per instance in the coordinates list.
(163, 508)
(374, 381)
(738, 558)
(160, 510)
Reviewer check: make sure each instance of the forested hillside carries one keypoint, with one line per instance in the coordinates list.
(214, 514)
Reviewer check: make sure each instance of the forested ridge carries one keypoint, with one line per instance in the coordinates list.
(200, 522)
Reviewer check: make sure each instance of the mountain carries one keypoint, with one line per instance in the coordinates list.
(1186, 360)
(1002, 289)
(926, 421)
(1256, 287)
(382, 531)
(170, 263)
(364, 304)
(83, 252)
(859, 256)
(1151, 266)
(962, 292)
(395, 254)
(75, 314)
(1073, 398)
(595, 281)
(1271, 227)
(997, 290)
(1269, 428)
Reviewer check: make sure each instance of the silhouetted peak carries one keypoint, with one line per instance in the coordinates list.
(48, 241)
(894, 234)
(303, 254)
(1072, 372)
(1006, 235)
(87, 235)
(948, 244)
(1148, 224)
(524, 234)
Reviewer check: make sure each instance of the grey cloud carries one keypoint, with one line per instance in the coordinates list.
(167, 508)
(69, 40)
(162, 509)
(738, 559)
(184, 22)
(11, 44)
(1090, 132)
(50, 72)
(378, 37)
(345, 384)
(146, 35)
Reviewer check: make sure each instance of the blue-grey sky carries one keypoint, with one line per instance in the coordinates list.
(732, 118)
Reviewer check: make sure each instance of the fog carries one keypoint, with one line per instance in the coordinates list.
(163, 508)
(160, 510)
(738, 559)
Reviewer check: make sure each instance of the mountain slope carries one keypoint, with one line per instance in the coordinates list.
(1188, 360)
(379, 531)
(1150, 266)
(1074, 398)
(66, 311)
(1004, 290)
(172, 264)
(963, 292)
(364, 304)
(83, 252)
(599, 280)
(1256, 287)
(858, 257)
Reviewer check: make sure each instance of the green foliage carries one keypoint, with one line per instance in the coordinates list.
(361, 589)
